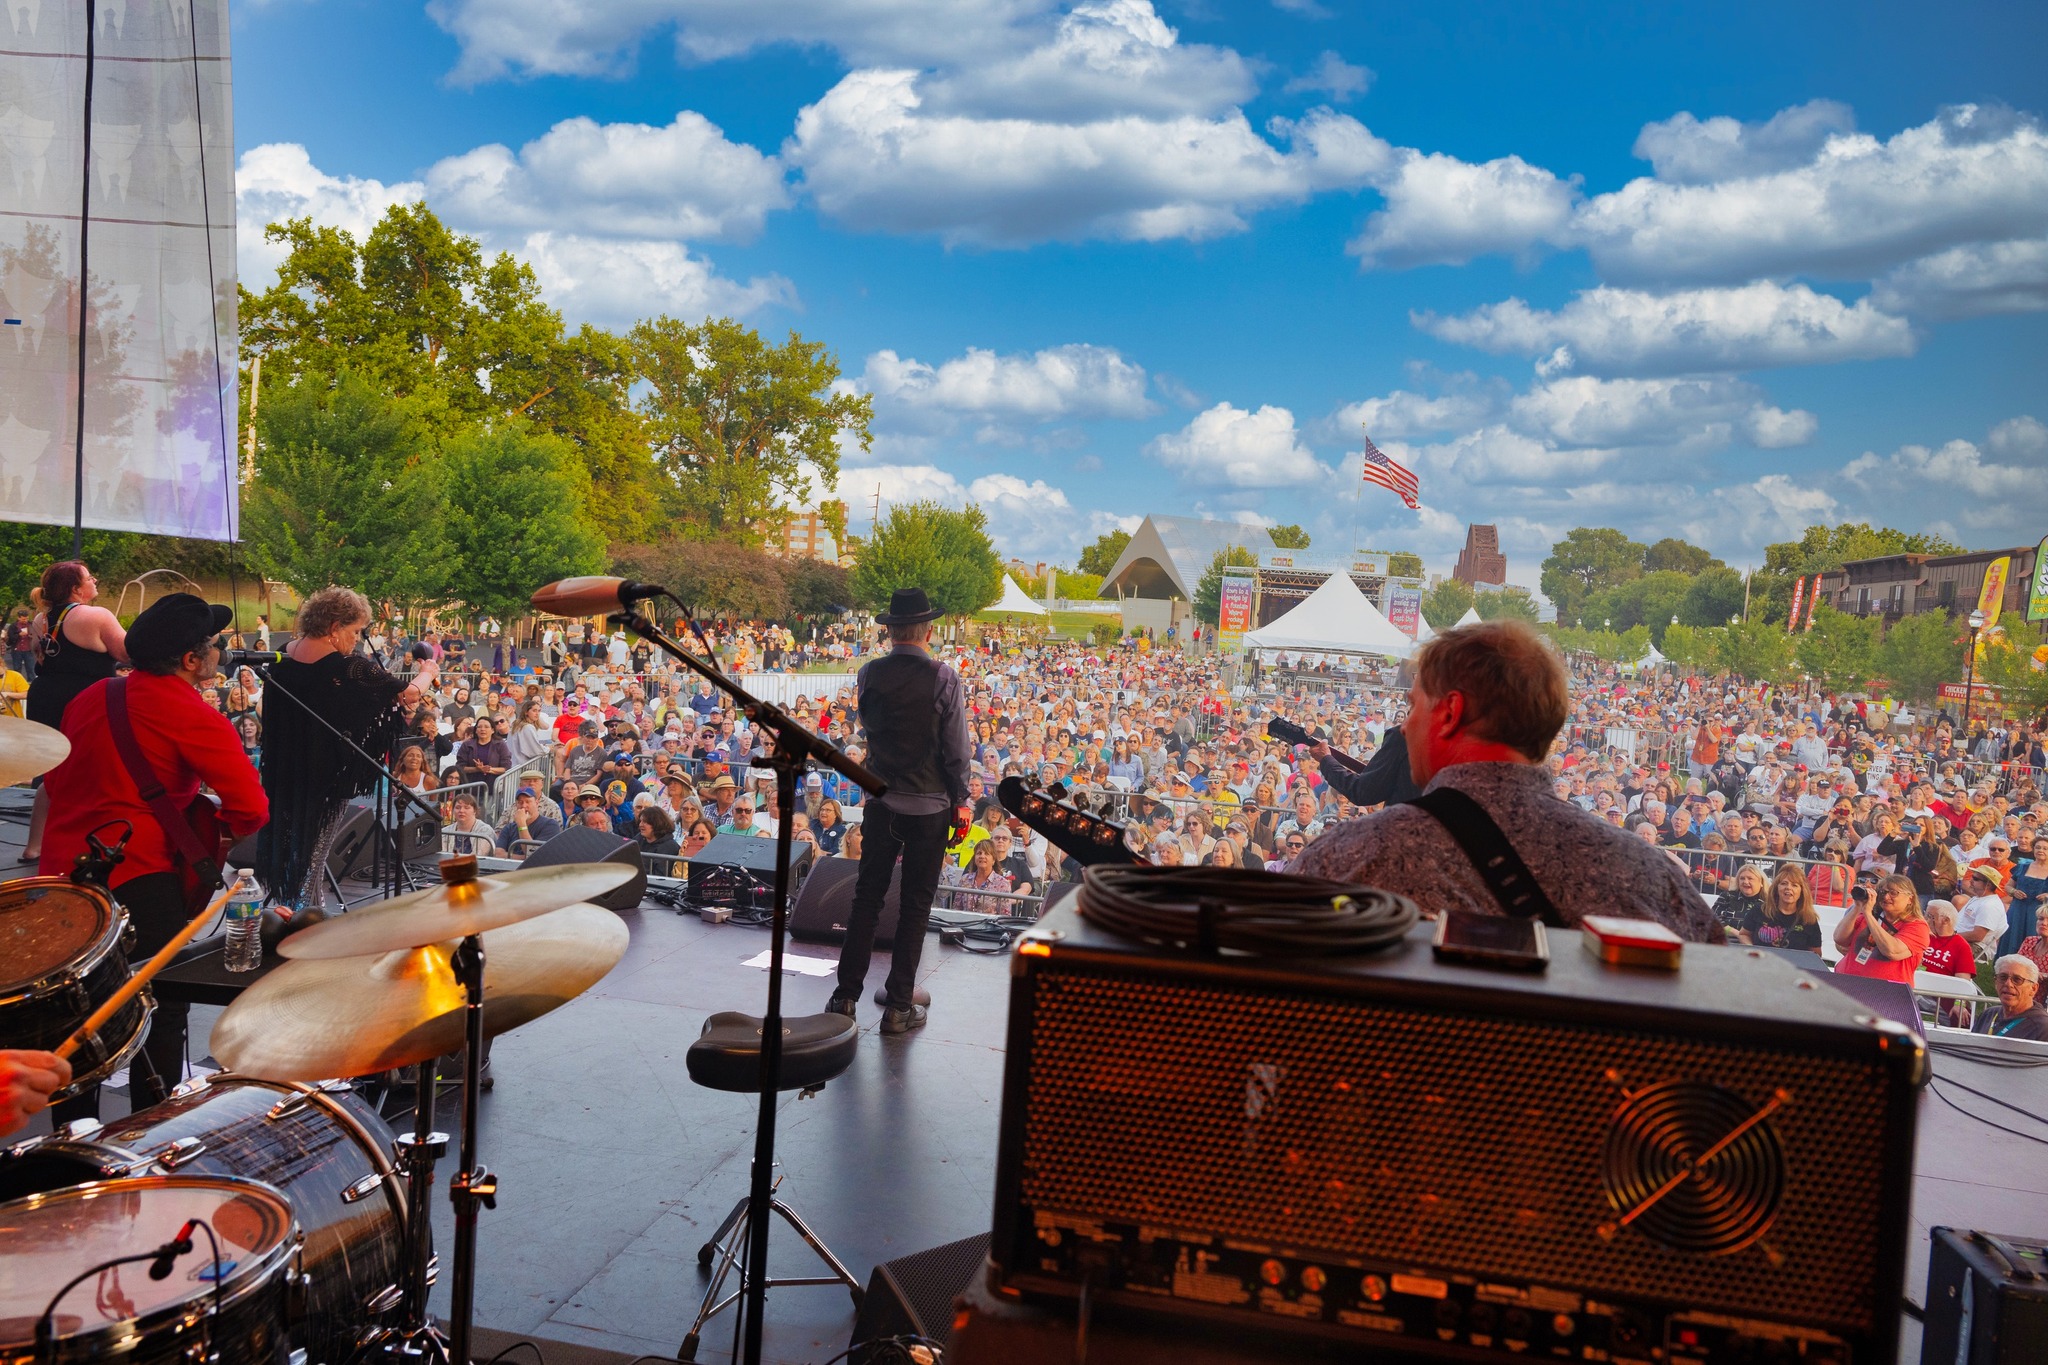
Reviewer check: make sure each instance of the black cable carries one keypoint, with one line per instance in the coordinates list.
(538, 1358)
(1935, 1086)
(2002, 1104)
(897, 1346)
(1912, 1309)
(1266, 914)
(45, 1333)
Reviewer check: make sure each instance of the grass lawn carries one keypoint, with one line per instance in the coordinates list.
(1071, 625)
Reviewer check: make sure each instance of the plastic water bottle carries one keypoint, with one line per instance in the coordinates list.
(245, 921)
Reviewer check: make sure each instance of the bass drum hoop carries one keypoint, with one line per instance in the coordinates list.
(77, 968)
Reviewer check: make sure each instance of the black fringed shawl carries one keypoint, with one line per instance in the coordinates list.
(308, 774)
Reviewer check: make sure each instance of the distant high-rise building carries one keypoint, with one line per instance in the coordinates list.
(803, 535)
(1481, 560)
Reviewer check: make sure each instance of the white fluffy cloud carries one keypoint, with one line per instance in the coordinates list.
(1230, 447)
(1970, 281)
(873, 156)
(1026, 517)
(1497, 455)
(2020, 438)
(1582, 410)
(1076, 381)
(1691, 151)
(1858, 206)
(278, 181)
(684, 180)
(1956, 467)
(1624, 331)
(566, 38)
(1402, 415)
(1443, 210)
(1331, 75)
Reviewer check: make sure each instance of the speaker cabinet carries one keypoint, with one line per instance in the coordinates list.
(581, 844)
(1710, 1164)
(914, 1295)
(821, 910)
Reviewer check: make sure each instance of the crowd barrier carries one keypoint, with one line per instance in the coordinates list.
(1707, 869)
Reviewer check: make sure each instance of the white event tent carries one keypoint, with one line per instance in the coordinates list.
(1470, 618)
(1015, 600)
(1334, 619)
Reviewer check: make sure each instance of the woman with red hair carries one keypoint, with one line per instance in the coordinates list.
(76, 645)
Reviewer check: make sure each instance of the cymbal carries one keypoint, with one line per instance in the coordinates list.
(441, 913)
(29, 749)
(352, 1016)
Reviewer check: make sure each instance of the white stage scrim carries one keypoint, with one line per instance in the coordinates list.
(160, 315)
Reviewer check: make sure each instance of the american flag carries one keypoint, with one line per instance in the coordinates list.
(1390, 476)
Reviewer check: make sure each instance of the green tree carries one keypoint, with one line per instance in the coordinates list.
(1102, 552)
(733, 421)
(943, 551)
(1693, 647)
(815, 587)
(1840, 651)
(1631, 645)
(1443, 604)
(1208, 602)
(714, 577)
(1508, 604)
(515, 517)
(1289, 537)
(1586, 561)
(1404, 564)
(1829, 547)
(347, 491)
(1651, 600)
(1715, 595)
(2021, 680)
(1757, 651)
(1920, 653)
(1677, 556)
(26, 550)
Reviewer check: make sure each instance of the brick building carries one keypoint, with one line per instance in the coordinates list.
(1481, 560)
(802, 535)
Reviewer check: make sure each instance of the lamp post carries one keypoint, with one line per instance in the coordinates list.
(1970, 681)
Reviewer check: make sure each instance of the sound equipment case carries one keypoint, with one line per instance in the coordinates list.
(1987, 1300)
(1456, 1162)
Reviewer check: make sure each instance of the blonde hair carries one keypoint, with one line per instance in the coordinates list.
(1515, 688)
(329, 608)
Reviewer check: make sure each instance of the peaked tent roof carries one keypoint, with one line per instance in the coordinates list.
(1167, 556)
(1470, 618)
(1015, 599)
(1336, 618)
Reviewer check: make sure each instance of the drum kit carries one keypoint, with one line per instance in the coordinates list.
(317, 1247)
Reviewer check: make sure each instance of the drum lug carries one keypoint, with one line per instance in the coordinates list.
(79, 1129)
(297, 1356)
(191, 1087)
(363, 1188)
(176, 1153)
(384, 1300)
(433, 1269)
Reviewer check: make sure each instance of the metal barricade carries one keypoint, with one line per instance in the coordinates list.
(506, 785)
(1708, 870)
(1030, 904)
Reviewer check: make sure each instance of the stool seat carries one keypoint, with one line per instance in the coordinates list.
(815, 1048)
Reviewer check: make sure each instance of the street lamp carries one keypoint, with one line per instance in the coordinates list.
(1970, 682)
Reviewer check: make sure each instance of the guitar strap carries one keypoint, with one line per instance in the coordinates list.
(1493, 857)
(152, 791)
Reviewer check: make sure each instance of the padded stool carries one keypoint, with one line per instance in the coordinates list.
(727, 1056)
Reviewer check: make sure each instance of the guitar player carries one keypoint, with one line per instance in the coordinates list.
(183, 743)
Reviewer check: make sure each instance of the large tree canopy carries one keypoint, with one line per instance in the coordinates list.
(930, 546)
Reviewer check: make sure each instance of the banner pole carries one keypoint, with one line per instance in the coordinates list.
(84, 288)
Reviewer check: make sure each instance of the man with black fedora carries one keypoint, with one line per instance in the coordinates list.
(183, 743)
(915, 713)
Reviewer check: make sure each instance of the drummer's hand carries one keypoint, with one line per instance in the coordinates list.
(27, 1080)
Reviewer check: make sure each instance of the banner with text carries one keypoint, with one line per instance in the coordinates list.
(1404, 607)
(1234, 609)
(1992, 596)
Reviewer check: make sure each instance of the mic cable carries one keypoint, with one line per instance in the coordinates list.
(1263, 914)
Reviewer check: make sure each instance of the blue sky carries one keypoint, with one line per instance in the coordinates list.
(1711, 271)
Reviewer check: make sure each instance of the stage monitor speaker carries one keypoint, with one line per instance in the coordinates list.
(739, 870)
(1987, 1299)
(913, 1296)
(581, 844)
(1605, 1163)
(821, 910)
(353, 852)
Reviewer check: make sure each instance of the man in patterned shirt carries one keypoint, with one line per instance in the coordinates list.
(1487, 701)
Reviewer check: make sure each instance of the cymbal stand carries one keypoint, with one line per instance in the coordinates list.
(472, 1185)
(416, 1340)
(795, 746)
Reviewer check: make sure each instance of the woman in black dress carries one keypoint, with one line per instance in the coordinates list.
(309, 775)
(76, 645)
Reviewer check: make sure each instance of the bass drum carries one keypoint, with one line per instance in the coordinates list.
(320, 1145)
(62, 956)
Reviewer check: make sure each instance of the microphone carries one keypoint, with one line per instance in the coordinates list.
(592, 596)
(232, 659)
(160, 1268)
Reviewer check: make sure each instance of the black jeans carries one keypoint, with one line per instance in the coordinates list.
(156, 909)
(920, 840)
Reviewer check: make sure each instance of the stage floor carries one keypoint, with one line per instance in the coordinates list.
(613, 1167)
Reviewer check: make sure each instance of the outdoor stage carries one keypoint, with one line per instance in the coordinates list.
(614, 1167)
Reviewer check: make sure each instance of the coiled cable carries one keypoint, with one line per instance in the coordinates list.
(1266, 914)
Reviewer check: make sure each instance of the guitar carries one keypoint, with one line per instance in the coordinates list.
(1087, 838)
(198, 883)
(1287, 732)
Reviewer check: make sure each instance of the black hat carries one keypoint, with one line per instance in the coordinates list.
(908, 607)
(173, 625)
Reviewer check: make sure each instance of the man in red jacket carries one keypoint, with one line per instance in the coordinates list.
(187, 743)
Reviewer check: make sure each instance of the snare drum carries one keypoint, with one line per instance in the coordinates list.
(61, 958)
(320, 1145)
(121, 1313)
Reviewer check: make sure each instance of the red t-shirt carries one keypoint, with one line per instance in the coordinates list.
(1950, 955)
(1914, 933)
(186, 742)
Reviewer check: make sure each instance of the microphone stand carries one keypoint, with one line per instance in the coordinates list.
(794, 747)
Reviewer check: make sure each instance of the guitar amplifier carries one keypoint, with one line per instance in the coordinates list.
(1603, 1163)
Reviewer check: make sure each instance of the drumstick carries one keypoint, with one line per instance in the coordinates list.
(135, 983)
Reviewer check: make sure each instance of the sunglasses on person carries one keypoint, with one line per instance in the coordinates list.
(2011, 976)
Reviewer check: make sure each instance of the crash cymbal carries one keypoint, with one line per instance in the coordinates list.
(455, 910)
(28, 749)
(353, 1016)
